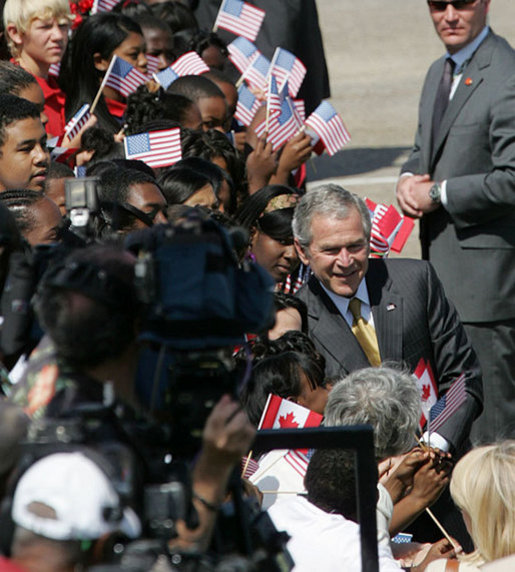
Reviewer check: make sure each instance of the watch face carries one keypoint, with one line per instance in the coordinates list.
(435, 193)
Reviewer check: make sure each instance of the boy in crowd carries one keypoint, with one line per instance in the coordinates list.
(24, 157)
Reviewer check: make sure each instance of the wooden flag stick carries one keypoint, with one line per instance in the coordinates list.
(102, 85)
(442, 529)
(281, 492)
(245, 467)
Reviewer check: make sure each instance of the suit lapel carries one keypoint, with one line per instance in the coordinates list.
(387, 309)
(332, 331)
(471, 79)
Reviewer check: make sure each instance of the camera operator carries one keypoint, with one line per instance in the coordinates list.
(88, 306)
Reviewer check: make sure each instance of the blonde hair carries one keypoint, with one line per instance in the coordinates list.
(21, 13)
(483, 485)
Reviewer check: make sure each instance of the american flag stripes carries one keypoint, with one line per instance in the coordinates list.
(257, 73)
(274, 98)
(298, 461)
(249, 467)
(152, 65)
(328, 125)
(156, 148)
(241, 53)
(247, 105)
(240, 18)
(189, 63)
(280, 128)
(286, 67)
(54, 69)
(446, 406)
(104, 5)
(123, 77)
(77, 122)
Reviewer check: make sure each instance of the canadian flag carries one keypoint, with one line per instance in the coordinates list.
(280, 413)
(428, 390)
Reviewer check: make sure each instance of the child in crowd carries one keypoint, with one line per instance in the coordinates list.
(207, 95)
(24, 156)
(88, 57)
(37, 35)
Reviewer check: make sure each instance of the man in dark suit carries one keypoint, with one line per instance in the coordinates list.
(460, 179)
(402, 302)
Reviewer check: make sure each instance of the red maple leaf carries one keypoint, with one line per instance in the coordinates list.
(426, 392)
(288, 421)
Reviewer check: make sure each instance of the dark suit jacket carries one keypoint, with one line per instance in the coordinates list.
(471, 243)
(413, 319)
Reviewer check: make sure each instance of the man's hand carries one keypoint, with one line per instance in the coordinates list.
(413, 195)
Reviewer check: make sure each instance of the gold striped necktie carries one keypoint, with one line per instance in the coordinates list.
(365, 333)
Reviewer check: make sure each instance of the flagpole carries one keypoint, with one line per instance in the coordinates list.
(442, 529)
(215, 25)
(244, 74)
(245, 467)
(102, 85)
(267, 115)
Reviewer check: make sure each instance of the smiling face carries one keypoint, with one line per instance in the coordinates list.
(338, 253)
(24, 157)
(457, 28)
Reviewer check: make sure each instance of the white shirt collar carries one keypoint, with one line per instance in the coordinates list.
(342, 303)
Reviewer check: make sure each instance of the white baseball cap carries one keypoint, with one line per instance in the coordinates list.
(84, 501)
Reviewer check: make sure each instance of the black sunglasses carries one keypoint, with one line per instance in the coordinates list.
(438, 6)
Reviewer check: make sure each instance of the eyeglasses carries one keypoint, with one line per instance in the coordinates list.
(438, 6)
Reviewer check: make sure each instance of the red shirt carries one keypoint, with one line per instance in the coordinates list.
(7, 566)
(54, 105)
(116, 108)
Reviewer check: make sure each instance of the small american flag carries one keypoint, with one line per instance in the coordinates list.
(250, 467)
(77, 122)
(280, 128)
(54, 69)
(152, 65)
(286, 67)
(104, 5)
(166, 77)
(257, 73)
(328, 125)
(189, 63)
(240, 18)
(156, 148)
(241, 53)
(447, 405)
(247, 105)
(274, 98)
(123, 77)
(300, 106)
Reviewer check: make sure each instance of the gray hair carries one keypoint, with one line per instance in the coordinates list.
(386, 398)
(328, 200)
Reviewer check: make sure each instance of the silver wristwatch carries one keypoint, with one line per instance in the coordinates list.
(435, 193)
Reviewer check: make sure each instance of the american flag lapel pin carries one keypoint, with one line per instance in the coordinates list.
(390, 307)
